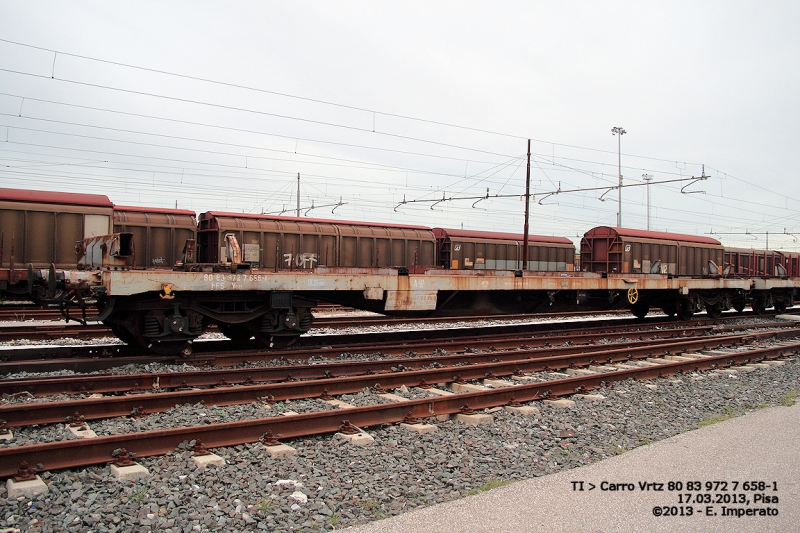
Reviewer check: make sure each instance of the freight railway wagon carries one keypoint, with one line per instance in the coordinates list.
(747, 262)
(165, 310)
(50, 228)
(266, 286)
(634, 252)
(41, 228)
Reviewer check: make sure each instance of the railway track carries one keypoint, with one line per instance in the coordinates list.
(96, 358)
(73, 330)
(488, 345)
(75, 453)
(30, 311)
(518, 375)
(61, 329)
(230, 387)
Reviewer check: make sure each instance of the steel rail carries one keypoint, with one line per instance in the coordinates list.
(93, 329)
(84, 452)
(25, 414)
(122, 383)
(94, 358)
(492, 337)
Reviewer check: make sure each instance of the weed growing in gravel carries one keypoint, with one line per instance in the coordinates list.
(333, 519)
(713, 419)
(788, 399)
(265, 504)
(367, 505)
(489, 485)
(139, 492)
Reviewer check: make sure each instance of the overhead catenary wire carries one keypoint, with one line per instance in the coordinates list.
(557, 163)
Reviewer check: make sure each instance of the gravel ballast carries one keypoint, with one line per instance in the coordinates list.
(330, 484)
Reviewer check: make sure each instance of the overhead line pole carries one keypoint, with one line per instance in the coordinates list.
(619, 132)
(298, 195)
(648, 178)
(527, 210)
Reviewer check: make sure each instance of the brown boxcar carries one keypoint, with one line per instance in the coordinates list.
(45, 226)
(159, 234)
(303, 243)
(465, 249)
(750, 262)
(632, 251)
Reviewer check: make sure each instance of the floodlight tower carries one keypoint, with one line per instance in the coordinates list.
(619, 132)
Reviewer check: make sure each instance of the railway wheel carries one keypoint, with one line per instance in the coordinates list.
(738, 305)
(640, 310)
(685, 310)
(182, 348)
(282, 327)
(159, 332)
(279, 342)
(714, 311)
(235, 332)
(780, 307)
(670, 310)
(122, 333)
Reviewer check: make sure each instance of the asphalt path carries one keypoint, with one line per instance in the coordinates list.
(749, 464)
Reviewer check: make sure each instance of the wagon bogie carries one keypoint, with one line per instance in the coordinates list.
(168, 322)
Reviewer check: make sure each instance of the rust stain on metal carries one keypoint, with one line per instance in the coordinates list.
(270, 439)
(124, 458)
(411, 419)
(199, 449)
(347, 428)
(114, 252)
(25, 472)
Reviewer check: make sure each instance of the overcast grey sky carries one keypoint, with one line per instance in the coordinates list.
(218, 106)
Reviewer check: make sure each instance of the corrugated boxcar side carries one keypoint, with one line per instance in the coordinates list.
(473, 251)
(695, 259)
(290, 243)
(159, 234)
(507, 255)
(378, 246)
(649, 256)
(625, 251)
(47, 233)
